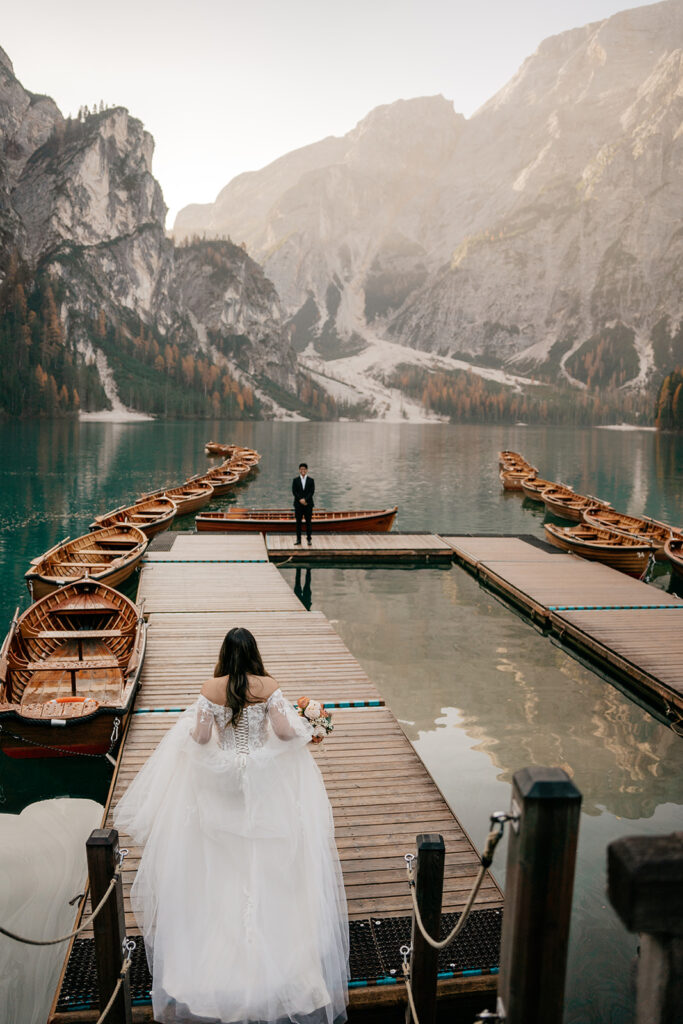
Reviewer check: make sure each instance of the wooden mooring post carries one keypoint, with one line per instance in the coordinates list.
(424, 962)
(645, 885)
(538, 896)
(110, 924)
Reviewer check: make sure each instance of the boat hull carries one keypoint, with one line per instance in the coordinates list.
(632, 526)
(23, 737)
(571, 506)
(222, 483)
(151, 529)
(533, 489)
(674, 553)
(631, 560)
(40, 586)
(375, 522)
(192, 503)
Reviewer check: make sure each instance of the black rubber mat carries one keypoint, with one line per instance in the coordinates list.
(374, 957)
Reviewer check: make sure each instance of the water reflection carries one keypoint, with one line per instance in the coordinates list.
(434, 640)
(303, 592)
(480, 693)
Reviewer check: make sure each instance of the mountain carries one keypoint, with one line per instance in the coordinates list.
(89, 279)
(543, 234)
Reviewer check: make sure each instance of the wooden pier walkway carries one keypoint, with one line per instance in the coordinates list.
(361, 549)
(381, 793)
(616, 622)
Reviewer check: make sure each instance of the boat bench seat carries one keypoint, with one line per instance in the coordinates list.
(80, 634)
(114, 551)
(72, 664)
(87, 565)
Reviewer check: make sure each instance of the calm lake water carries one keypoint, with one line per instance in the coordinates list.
(477, 690)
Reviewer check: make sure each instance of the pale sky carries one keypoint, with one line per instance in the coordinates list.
(226, 86)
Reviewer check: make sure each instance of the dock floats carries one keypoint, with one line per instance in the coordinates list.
(621, 626)
(381, 793)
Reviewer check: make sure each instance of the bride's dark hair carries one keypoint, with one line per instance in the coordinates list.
(239, 655)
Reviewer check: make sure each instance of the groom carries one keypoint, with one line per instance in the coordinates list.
(303, 489)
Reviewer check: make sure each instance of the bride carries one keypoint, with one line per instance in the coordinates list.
(239, 893)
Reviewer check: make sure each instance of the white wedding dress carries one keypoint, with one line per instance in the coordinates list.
(239, 893)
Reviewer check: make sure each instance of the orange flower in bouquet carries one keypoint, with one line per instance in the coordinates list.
(317, 715)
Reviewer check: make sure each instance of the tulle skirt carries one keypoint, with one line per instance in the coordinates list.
(239, 893)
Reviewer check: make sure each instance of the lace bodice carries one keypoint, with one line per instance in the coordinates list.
(254, 726)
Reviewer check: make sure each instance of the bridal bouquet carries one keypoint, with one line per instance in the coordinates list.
(315, 712)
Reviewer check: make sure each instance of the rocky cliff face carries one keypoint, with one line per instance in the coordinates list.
(330, 221)
(544, 227)
(233, 308)
(79, 202)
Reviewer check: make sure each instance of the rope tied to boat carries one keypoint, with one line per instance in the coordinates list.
(122, 854)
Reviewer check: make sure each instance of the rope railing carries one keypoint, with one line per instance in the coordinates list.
(85, 924)
(498, 822)
(128, 947)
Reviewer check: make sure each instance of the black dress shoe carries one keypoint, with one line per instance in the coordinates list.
(297, 542)
(309, 542)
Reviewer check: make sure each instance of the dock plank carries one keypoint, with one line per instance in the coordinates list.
(619, 623)
(648, 640)
(229, 586)
(230, 547)
(300, 649)
(360, 547)
(513, 549)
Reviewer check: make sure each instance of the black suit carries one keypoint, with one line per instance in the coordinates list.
(303, 511)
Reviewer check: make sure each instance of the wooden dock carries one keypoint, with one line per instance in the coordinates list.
(360, 549)
(633, 630)
(381, 793)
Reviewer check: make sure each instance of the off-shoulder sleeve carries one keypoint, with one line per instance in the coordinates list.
(203, 726)
(286, 723)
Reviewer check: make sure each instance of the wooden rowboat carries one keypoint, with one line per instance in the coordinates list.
(222, 480)
(563, 502)
(282, 520)
(674, 552)
(239, 466)
(151, 516)
(108, 556)
(510, 458)
(511, 479)
(628, 554)
(69, 669)
(247, 455)
(216, 448)
(634, 526)
(194, 494)
(533, 487)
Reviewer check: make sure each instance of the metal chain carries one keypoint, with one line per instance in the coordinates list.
(64, 938)
(65, 750)
(498, 820)
(128, 947)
